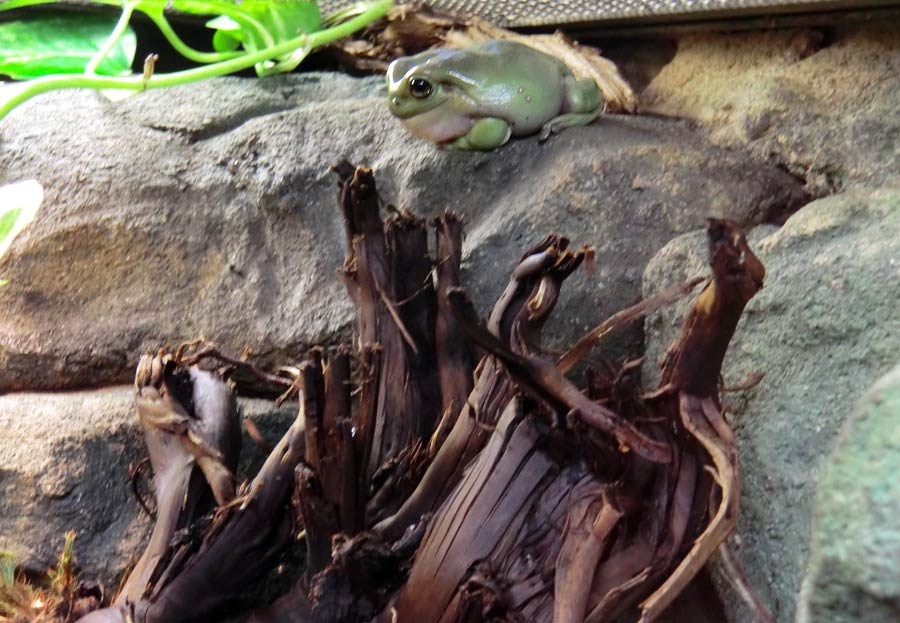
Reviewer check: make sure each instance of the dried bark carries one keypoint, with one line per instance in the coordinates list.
(426, 490)
(455, 359)
(387, 273)
(189, 419)
(691, 372)
(196, 565)
(535, 279)
(640, 523)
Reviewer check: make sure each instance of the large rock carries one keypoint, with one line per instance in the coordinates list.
(824, 103)
(854, 571)
(64, 466)
(823, 329)
(209, 210)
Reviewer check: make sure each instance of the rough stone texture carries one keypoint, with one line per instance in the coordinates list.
(854, 572)
(825, 103)
(209, 210)
(824, 328)
(64, 466)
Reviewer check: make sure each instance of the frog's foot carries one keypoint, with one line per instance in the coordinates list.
(486, 134)
(557, 124)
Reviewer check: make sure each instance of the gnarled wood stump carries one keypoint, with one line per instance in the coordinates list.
(430, 489)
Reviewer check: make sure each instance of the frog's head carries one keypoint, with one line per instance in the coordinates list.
(414, 87)
(428, 96)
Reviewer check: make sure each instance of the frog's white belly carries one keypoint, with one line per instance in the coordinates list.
(436, 125)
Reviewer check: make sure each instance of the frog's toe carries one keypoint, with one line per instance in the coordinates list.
(567, 120)
(546, 131)
(554, 126)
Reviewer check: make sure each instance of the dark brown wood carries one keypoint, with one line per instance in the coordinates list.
(694, 361)
(650, 521)
(546, 383)
(245, 539)
(455, 359)
(202, 572)
(388, 274)
(693, 367)
(319, 520)
(312, 410)
(620, 320)
(520, 312)
(192, 431)
(433, 490)
(338, 446)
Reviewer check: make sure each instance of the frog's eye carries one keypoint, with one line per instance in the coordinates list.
(419, 88)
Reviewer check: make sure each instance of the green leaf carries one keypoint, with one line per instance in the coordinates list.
(225, 42)
(285, 20)
(19, 203)
(289, 53)
(223, 23)
(62, 43)
(281, 20)
(228, 35)
(7, 559)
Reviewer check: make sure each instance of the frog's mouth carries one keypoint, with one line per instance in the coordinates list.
(438, 124)
(405, 107)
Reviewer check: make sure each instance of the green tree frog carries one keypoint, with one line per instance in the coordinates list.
(478, 97)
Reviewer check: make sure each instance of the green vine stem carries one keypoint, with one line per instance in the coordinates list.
(184, 49)
(112, 40)
(154, 9)
(37, 86)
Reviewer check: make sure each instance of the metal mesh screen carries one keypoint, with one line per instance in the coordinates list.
(537, 12)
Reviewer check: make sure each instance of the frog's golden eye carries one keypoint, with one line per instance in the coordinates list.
(419, 88)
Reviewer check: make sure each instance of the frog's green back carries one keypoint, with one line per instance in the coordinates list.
(508, 75)
(482, 60)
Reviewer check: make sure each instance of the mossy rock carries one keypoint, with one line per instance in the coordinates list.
(854, 574)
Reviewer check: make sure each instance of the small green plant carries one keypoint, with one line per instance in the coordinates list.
(19, 203)
(7, 568)
(77, 50)
(21, 600)
(62, 579)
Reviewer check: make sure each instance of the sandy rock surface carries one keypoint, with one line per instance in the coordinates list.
(825, 103)
(209, 210)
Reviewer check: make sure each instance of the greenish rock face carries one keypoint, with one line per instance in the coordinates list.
(854, 572)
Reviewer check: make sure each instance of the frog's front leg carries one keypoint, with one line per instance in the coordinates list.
(486, 134)
(584, 101)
